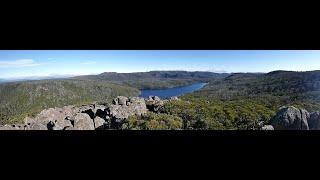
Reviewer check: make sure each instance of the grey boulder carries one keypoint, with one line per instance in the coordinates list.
(83, 121)
(38, 126)
(99, 122)
(314, 121)
(291, 118)
(267, 127)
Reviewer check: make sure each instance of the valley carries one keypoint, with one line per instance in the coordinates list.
(237, 101)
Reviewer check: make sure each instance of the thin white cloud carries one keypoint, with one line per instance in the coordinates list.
(88, 62)
(18, 63)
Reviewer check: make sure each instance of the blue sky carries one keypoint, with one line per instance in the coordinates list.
(19, 64)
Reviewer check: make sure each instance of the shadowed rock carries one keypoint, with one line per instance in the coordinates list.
(69, 128)
(155, 104)
(101, 113)
(99, 122)
(90, 113)
(57, 117)
(50, 125)
(291, 118)
(314, 121)
(122, 100)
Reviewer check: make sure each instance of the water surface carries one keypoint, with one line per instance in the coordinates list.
(170, 92)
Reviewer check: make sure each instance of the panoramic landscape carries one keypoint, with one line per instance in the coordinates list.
(159, 90)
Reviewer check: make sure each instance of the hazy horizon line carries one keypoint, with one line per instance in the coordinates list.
(55, 76)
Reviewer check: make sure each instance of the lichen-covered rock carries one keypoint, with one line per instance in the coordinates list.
(267, 127)
(83, 121)
(174, 98)
(156, 98)
(55, 117)
(122, 100)
(291, 118)
(155, 104)
(38, 126)
(85, 108)
(137, 106)
(11, 127)
(136, 100)
(119, 112)
(153, 98)
(99, 122)
(69, 128)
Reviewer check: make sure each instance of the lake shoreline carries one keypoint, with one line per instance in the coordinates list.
(171, 92)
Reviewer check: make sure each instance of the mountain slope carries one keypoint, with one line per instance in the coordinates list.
(21, 99)
(242, 100)
(274, 83)
(155, 79)
(26, 98)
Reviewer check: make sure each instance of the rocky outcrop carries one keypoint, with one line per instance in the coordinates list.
(83, 121)
(127, 107)
(314, 121)
(267, 127)
(174, 98)
(12, 127)
(291, 118)
(38, 126)
(90, 117)
(122, 108)
(52, 119)
(99, 123)
(155, 104)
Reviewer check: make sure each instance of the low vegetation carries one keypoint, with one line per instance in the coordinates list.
(152, 121)
(241, 101)
(22, 99)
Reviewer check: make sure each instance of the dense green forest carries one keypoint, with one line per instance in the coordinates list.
(155, 79)
(241, 101)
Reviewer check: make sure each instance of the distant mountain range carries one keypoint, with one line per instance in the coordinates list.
(35, 78)
(155, 79)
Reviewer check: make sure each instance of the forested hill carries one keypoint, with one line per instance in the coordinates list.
(156, 79)
(21, 99)
(27, 98)
(276, 83)
(244, 100)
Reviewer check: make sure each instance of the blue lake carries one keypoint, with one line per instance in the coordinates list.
(170, 92)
